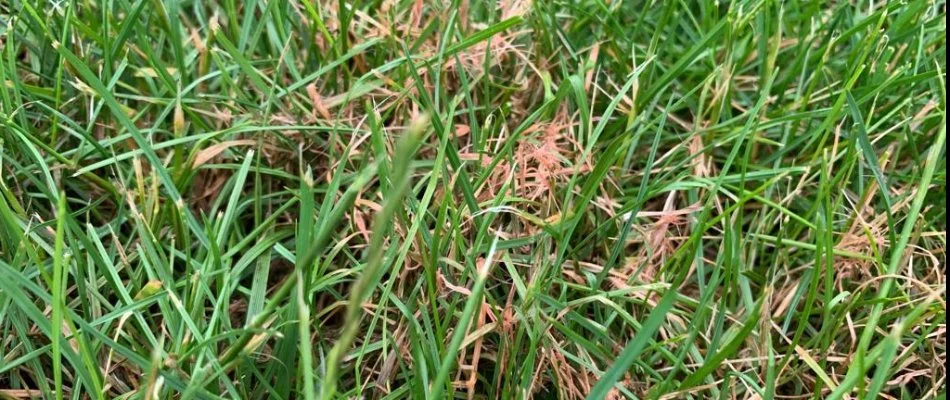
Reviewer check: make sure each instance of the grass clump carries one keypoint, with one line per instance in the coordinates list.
(513, 199)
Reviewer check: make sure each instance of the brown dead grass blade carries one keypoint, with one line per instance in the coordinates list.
(207, 154)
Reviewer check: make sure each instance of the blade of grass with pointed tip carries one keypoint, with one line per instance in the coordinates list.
(633, 348)
(366, 284)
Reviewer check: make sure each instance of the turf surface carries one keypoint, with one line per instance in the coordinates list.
(435, 199)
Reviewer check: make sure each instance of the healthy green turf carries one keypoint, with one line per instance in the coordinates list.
(466, 199)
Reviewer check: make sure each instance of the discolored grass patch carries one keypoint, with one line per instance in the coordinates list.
(512, 199)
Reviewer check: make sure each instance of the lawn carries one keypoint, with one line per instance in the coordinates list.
(388, 199)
